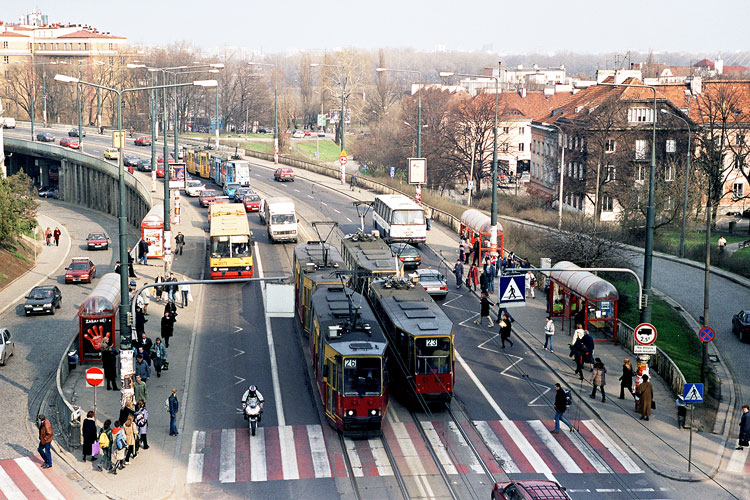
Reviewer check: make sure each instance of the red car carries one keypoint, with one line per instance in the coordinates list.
(531, 489)
(251, 202)
(81, 269)
(96, 241)
(307, 133)
(283, 174)
(143, 140)
(70, 142)
(207, 196)
(160, 171)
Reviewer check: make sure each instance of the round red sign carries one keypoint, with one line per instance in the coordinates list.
(94, 376)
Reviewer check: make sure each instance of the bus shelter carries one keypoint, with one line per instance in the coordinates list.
(152, 231)
(476, 226)
(582, 297)
(96, 318)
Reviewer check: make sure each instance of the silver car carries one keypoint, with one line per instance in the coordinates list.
(432, 281)
(7, 346)
(194, 188)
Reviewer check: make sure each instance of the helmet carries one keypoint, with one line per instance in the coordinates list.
(252, 389)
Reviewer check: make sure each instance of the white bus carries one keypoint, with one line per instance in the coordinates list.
(399, 218)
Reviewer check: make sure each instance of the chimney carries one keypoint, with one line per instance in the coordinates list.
(696, 85)
(522, 92)
(719, 66)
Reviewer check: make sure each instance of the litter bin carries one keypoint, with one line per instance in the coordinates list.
(72, 360)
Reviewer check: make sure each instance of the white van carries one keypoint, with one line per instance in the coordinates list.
(8, 122)
(280, 219)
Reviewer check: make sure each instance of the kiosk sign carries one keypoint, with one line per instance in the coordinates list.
(93, 331)
(417, 173)
(645, 334)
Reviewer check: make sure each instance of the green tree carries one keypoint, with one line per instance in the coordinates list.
(17, 206)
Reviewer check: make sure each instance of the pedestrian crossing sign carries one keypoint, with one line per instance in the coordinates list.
(511, 291)
(693, 393)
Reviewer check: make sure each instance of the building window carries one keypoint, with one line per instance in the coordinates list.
(85, 46)
(504, 146)
(5, 44)
(111, 46)
(521, 146)
(641, 149)
(671, 146)
(506, 130)
(607, 203)
(6, 59)
(521, 130)
(111, 60)
(610, 146)
(611, 173)
(669, 172)
(640, 115)
(738, 190)
(7, 75)
(740, 139)
(640, 173)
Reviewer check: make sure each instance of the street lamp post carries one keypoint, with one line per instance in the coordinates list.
(122, 217)
(562, 175)
(650, 211)
(80, 119)
(687, 184)
(493, 207)
(342, 119)
(275, 111)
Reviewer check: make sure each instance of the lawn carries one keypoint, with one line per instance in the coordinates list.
(671, 237)
(676, 338)
(262, 147)
(668, 241)
(329, 150)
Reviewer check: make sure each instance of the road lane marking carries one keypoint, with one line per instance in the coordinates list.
(258, 470)
(480, 386)
(381, 457)
(318, 451)
(552, 445)
(496, 447)
(529, 452)
(227, 455)
(288, 452)
(349, 219)
(351, 452)
(195, 459)
(615, 450)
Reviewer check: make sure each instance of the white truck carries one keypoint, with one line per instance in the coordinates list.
(280, 218)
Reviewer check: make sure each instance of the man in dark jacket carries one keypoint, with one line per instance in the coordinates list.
(141, 368)
(131, 269)
(143, 252)
(173, 407)
(475, 252)
(458, 271)
(505, 329)
(744, 428)
(588, 344)
(109, 364)
(180, 241)
(561, 404)
(140, 321)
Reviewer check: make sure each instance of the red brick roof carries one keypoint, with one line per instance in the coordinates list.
(11, 33)
(533, 105)
(735, 70)
(704, 63)
(88, 34)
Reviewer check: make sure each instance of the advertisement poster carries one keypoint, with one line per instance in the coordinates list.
(155, 240)
(92, 332)
(177, 176)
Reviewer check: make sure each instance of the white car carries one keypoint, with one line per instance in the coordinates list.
(298, 134)
(194, 188)
(432, 281)
(7, 347)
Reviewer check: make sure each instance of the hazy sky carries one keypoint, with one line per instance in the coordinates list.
(591, 26)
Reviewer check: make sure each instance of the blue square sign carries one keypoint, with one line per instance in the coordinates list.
(693, 393)
(511, 292)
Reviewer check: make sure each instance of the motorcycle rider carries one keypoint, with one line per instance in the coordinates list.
(252, 393)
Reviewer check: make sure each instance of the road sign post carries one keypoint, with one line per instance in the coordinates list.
(706, 334)
(94, 377)
(692, 393)
(342, 161)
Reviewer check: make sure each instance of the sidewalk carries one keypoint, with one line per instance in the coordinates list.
(658, 442)
(154, 472)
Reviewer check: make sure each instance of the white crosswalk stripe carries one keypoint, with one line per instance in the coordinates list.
(559, 453)
(8, 488)
(258, 471)
(288, 452)
(226, 458)
(318, 451)
(620, 455)
(439, 447)
(381, 457)
(351, 452)
(195, 459)
(459, 438)
(496, 447)
(530, 453)
(737, 460)
(46, 488)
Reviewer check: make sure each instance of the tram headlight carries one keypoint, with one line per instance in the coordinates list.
(349, 413)
(374, 412)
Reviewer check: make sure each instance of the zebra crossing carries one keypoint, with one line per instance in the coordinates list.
(23, 478)
(302, 451)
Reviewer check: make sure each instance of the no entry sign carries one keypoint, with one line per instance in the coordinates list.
(94, 376)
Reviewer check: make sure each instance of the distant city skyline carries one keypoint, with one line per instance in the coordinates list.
(543, 27)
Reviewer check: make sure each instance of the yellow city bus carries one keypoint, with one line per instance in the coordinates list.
(231, 248)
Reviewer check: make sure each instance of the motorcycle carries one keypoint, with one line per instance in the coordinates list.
(252, 410)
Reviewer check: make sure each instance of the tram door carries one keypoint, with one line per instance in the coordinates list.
(331, 386)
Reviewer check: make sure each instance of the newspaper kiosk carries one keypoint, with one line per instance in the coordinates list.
(582, 297)
(96, 318)
(476, 225)
(152, 231)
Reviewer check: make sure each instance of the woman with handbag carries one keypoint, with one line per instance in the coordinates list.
(89, 434)
(626, 379)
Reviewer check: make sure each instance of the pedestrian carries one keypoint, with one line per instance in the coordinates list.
(505, 329)
(45, 440)
(561, 404)
(577, 352)
(141, 421)
(722, 243)
(56, 234)
(143, 252)
(185, 292)
(179, 242)
(529, 282)
(490, 271)
(89, 435)
(427, 217)
(475, 251)
(142, 301)
(462, 248)
(167, 327)
(144, 342)
(588, 349)
(140, 321)
(48, 235)
(483, 286)
(352, 182)
(117, 267)
(744, 428)
(158, 290)
(484, 310)
(172, 289)
(126, 411)
(119, 446)
(140, 391)
(577, 334)
(626, 379)
(130, 432)
(472, 279)
(458, 272)
(681, 412)
(159, 356)
(173, 406)
(141, 367)
(131, 269)
(109, 363)
(598, 378)
(105, 445)
(645, 393)
(549, 332)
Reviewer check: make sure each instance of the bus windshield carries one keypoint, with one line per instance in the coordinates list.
(240, 247)
(282, 219)
(220, 247)
(408, 217)
(225, 247)
(433, 355)
(362, 377)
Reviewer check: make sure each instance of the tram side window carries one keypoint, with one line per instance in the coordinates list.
(362, 377)
(220, 247)
(433, 355)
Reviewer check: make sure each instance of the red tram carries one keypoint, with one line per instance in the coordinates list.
(315, 264)
(348, 351)
(420, 337)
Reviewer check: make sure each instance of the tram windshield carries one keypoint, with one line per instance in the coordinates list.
(362, 377)
(433, 355)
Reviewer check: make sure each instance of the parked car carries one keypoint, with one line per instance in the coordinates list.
(74, 132)
(207, 196)
(263, 130)
(43, 300)
(70, 142)
(97, 241)
(307, 133)
(111, 153)
(298, 134)
(45, 137)
(194, 187)
(8, 122)
(143, 165)
(7, 346)
(240, 193)
(129, 159)
(532, 489)
(81, 269)
(251, 202)
(283, 174)
(48, 192)
(230, 188)
(160, 160)
(741, 325)
(432, 281)
(407, 254)
(321, 133)
(143, 140)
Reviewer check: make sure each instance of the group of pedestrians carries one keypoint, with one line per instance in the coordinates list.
(49, 235)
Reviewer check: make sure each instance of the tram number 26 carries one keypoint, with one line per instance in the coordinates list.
(431, 342)
(350, 363)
